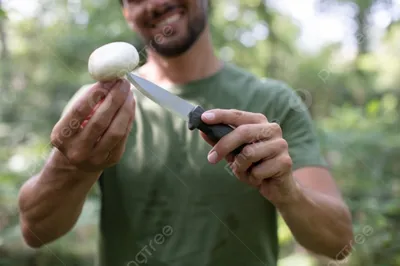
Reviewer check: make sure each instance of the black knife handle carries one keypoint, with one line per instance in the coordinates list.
(213, 132)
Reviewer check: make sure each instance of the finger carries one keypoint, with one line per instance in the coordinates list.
(275, 167)
(244, 177)
(104, 115)
(119, 149)
(232, 117)
(69, 124)
(118, 127)
(230, 158)
(242, 135)
(263, 150)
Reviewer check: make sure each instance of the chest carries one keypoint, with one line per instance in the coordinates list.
(163, 152)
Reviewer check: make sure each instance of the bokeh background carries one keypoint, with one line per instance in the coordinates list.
(342, 57)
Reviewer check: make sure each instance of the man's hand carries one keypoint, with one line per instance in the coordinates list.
(265, 162)
(94, 144)
(316, 215)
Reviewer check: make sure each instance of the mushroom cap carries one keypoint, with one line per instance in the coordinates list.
(112, 61)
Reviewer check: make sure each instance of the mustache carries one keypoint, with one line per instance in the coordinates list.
(158, 12)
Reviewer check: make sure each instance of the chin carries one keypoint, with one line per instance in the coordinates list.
(178, 39)
(174, 45)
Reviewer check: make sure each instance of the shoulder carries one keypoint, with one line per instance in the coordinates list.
(262, 85)
(75, 97)
(271, 96)
(284, 96)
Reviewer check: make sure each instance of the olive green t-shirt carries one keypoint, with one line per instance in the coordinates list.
(164, 204)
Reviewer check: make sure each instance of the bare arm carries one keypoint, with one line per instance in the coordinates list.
(51, 202)
(307, 198)
(318, 218)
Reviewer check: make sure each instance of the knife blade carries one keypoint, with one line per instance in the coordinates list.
(182, 108)
(162, 97)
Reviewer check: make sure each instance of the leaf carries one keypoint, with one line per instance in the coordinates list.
(3, 14)
(373, 107)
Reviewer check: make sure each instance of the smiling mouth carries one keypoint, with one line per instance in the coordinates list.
(168, 19)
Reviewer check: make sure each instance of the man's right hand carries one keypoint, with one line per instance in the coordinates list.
(101, 142)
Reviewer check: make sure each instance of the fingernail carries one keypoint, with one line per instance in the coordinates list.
(109, 84)
(208, 115)
(212, 157)
(125, 86)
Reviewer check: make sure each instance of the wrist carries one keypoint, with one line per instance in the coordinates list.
(58, 164)
(59, 161)
(292, 196)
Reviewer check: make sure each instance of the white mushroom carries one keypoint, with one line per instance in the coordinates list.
(113, 61)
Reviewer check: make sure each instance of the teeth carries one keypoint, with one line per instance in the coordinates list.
(169, 20)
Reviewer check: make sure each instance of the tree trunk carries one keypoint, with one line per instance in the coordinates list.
(361, 93)
(5, 56)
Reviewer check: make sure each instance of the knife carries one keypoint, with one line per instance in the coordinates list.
(185, 110)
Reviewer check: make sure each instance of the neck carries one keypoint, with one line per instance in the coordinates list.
(197, 63)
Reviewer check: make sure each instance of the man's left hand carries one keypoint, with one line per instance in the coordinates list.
(264, 162)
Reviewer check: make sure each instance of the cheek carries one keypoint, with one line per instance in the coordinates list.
(132, 18)
(198, 6)
(138, 26)
(132, 22)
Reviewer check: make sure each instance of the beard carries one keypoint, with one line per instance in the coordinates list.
(165, 44)
(179, 46)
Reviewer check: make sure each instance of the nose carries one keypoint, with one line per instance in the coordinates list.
(157, 7)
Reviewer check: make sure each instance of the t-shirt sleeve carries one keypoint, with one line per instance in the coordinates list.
(74, 98)
(299, 131)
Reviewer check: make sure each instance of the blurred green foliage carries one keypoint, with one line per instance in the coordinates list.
(354, 100)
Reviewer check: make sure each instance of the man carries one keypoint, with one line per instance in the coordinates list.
(166, 198)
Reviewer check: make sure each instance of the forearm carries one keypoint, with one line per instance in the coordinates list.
(320, 223)
(51, 202)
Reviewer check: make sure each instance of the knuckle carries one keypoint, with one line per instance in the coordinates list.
(257, 175)
(282, 144)
(248, 152)
(75, 157)
(275, 128)
(55, 139)
(286, 161)
(99, 125)
(243, 131)
(261, 117)
(78, 111)
(116, 99)
(96, 96)
(237, 113)
(114, 135)
(265, 133)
